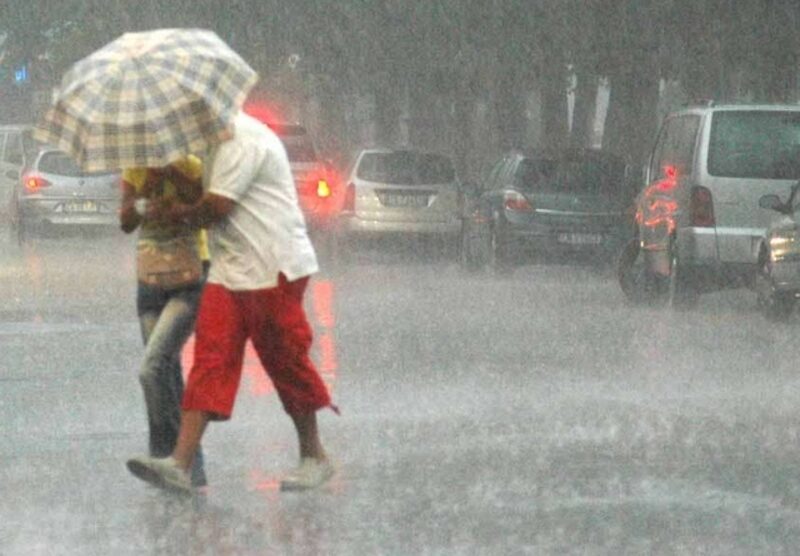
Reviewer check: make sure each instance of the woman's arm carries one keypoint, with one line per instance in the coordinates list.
(129, 218)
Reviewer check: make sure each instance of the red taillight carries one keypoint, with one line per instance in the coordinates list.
(323, 189)
(701, 208)
(517, 202)
(34, 183)
(350, 198)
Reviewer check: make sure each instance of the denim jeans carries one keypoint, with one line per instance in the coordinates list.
(167, 320)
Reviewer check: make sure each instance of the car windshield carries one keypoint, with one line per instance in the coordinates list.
(406, 167)
(755, 144)
(62, 165)
(595, 176)
(296, 141)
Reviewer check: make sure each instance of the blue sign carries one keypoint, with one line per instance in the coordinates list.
(21, 74)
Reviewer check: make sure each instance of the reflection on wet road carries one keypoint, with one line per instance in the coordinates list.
(530, 414)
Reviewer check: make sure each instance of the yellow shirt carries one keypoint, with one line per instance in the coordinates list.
(190, 166)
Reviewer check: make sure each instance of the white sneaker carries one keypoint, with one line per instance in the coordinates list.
(161, 472)
(311, 473)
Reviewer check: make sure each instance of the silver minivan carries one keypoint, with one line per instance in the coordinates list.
(698, 225)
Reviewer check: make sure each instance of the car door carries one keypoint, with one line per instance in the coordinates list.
(669, 175)
(9, 173)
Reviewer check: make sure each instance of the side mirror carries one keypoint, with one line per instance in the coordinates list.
(772, 202)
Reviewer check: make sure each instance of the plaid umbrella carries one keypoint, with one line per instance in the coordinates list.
(146, 99)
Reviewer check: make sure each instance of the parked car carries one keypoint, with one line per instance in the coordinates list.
(778, 274)
(401, 192)
(699, 225)
(53, 192)
(317, 185)
(16, 146)
(549, 206)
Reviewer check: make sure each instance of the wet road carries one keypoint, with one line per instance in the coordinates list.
(532, 414)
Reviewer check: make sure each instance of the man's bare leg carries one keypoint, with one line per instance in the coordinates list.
(193, 425)
(308, 436)
(314, 468)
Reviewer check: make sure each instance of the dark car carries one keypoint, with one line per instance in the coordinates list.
(53, 192)
(573, 204)
(317, 186)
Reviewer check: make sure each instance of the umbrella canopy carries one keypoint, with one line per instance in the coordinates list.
(146, 99)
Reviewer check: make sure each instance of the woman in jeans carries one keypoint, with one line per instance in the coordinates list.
(166, 314)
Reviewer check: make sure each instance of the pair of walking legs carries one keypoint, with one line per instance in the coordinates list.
(166, 319)
(194, 422)
(274, 320)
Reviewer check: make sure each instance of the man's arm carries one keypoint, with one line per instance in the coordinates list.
(210, 209)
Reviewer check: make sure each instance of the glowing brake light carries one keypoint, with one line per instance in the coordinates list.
(34, 183)
(323, 189)
(670, 179)
(515, 201)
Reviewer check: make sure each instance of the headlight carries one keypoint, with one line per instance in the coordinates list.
(784, 244)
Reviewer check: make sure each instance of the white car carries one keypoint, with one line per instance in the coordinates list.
(397, 192)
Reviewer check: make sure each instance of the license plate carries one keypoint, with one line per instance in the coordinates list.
(80, 206)
(580, 239)
(405, 201)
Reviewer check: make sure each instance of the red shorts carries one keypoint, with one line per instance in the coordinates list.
(275, 321)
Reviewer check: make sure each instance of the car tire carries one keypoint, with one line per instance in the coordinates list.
(470, 253)
(774, 305)
(21, 232)
(499, 251)
(681, 291)
(635, 280)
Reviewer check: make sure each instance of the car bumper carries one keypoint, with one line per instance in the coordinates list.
(353, 225)
(566, 241)
(786, 275)
(52, 213)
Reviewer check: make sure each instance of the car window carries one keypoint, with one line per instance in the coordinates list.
(59, 163)
(494, 175)
(755, 144)
(405, 167)
(14, 153)
(299, 148)
(592, 175)
(675, 145)
(297, 142)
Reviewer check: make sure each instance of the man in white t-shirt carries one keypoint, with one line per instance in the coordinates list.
(261, 260)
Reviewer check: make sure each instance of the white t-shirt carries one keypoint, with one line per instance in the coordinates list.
(265, 234)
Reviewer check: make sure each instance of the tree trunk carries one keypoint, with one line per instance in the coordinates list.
(631, 119)
(510, 101)
(583, 111)
(555, 111)
(388, 109)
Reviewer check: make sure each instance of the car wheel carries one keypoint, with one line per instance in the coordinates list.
(774, 305)
(499, 252)
(471, 257)
(21, 231)
(633, 276)
(681, 292)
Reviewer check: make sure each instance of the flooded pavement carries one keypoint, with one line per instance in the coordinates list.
(531, 414)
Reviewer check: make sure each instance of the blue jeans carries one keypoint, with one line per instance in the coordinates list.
(167, 320)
